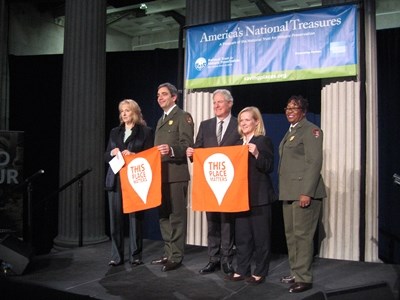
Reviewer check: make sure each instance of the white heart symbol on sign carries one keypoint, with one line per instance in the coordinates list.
(140, 177)
(219, 172)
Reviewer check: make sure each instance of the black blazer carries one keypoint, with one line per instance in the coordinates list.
(207, 137)
(261, 190)
(141, 138)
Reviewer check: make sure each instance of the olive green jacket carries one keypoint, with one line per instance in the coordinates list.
(177, 131)
(300, 163)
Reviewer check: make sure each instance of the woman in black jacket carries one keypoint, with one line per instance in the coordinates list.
(253, 227)
(130, 137)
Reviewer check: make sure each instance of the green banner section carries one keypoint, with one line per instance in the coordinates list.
(269, 77)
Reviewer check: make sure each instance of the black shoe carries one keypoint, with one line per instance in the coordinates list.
(136, 262)
(159, 261)
(299, 287)
(287, 279)
(228, 269)
(170, 265)
(210, 268)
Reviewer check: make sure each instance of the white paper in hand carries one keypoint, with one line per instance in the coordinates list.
(117, 162)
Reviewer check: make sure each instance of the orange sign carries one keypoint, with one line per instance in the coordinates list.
(220, 179)
(141, 181)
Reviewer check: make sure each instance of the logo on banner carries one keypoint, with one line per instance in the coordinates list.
(200, 63)
(219, 173)
(140, 176)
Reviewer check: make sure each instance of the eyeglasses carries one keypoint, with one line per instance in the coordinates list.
(292, 108)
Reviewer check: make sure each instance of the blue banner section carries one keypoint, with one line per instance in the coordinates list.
(302, 45)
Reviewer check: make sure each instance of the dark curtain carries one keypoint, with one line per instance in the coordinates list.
(388, 42)
(271, 98)
(35, 103)
(136, 75)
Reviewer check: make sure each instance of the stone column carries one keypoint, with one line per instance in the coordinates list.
(4, 76)
(82, 124)
(207, 11)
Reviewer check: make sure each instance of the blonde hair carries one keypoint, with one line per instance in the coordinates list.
(137, 112)
(256, 115)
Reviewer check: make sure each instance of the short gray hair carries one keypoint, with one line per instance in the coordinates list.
(227, 94)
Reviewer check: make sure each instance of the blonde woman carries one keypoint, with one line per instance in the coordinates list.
(253, 227)
(130, 137)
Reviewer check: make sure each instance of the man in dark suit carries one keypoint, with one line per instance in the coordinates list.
(173, 135)
(301, 189)
(213, 133)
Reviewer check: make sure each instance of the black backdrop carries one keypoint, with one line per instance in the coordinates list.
(35, 102)
(389, 143)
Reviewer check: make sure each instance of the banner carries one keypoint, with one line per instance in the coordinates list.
(141, 181)
(220, 179)
(301, 45)
(12, 186)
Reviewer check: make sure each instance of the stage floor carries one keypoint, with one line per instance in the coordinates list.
(83, 273)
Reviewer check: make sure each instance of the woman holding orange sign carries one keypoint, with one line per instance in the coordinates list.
(253, 227)
(130, 137)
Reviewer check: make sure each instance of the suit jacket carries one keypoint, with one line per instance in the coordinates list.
(141, 138)
(207, 137)
(261, 191)
(300, 163)
(177, 131)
